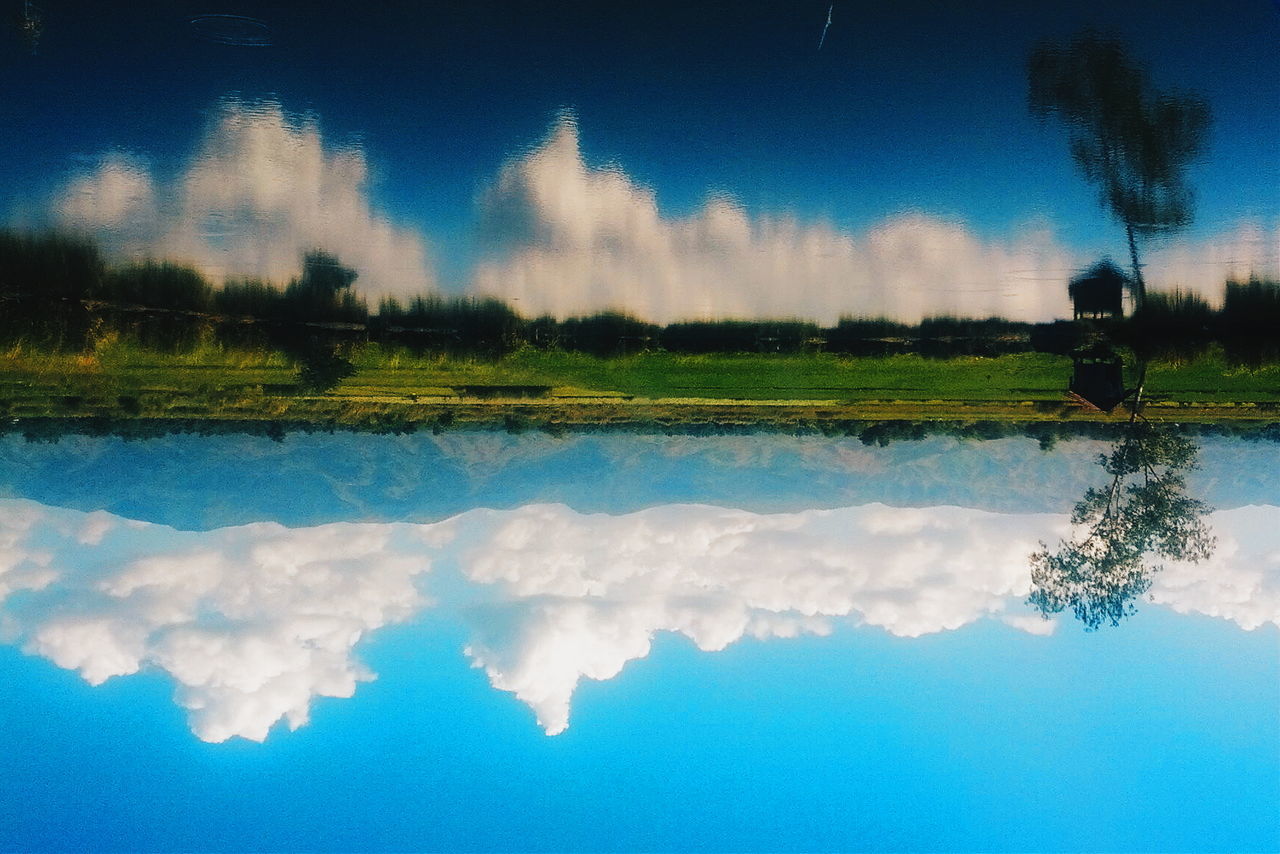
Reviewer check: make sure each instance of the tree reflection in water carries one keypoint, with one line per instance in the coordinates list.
(1144, 513)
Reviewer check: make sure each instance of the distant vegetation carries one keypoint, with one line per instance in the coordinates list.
(58, 292)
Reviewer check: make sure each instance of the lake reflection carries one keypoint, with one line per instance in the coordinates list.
(251, 572)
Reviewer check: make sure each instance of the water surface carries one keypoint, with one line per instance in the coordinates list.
(804, 640)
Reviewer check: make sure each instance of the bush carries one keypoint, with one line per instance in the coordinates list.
(1175, 325)
(1249, 323)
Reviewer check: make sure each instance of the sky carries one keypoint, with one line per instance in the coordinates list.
(488, 642)
(670, 159)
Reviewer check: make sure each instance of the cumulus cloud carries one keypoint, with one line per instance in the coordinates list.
(22, 567)
(567, 238)
(564, 238)
(597, 588)
(253, 623)
(261, 189)
(1240, 581)
(118, 196)
(577, 596)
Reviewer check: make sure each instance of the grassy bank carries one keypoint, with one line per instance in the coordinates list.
(117, 379)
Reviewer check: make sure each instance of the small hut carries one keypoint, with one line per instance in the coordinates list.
(1097, 378)
(1099, 291)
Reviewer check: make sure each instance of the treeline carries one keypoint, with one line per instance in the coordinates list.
(57, 291)
(487, 325)
(1183, 325)
(59, 268)
(57, 288)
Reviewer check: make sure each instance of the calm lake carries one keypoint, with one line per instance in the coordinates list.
(568, 219)
(858, 613)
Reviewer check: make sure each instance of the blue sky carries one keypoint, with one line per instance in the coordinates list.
(910, 108)
(932, 716)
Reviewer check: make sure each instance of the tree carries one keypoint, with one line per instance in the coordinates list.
(324, 291)
(1133, 142)
(1143, 511)
(320, 368)
(324, 275)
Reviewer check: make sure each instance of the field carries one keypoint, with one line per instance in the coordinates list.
(121, 380)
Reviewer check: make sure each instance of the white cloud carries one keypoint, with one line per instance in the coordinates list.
(1250, 249)
(253, 623)
(1240, 581)
(261, 190)
(561, 237)
(567, 238)
(119, 195)
(22, 566)
(597, 588)
(576, 596)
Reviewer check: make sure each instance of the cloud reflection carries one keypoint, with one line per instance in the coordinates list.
(262, 189)
(555, 235)
(254, 622)
(567, 238)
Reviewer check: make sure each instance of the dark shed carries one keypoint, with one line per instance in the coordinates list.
(1099, 291)
(1097, 377)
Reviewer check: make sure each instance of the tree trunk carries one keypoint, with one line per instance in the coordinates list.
(1139, 286)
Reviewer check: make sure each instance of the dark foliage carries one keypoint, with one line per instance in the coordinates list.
(51, 429)
(1060, 337)
(1132, 142)
(160, 285)
(609, 333)
(1173, 325)
(1249, 324)
(250, 298)
(320, 369)
(48, 267)
(43, 282)
(323, 293)
(456, 325)
(883, 432)
(945, 337)
(869, 337)
(1144, 511)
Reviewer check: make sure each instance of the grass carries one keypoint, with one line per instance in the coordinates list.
(120, 379)
(733, 377)
(1211, 379)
